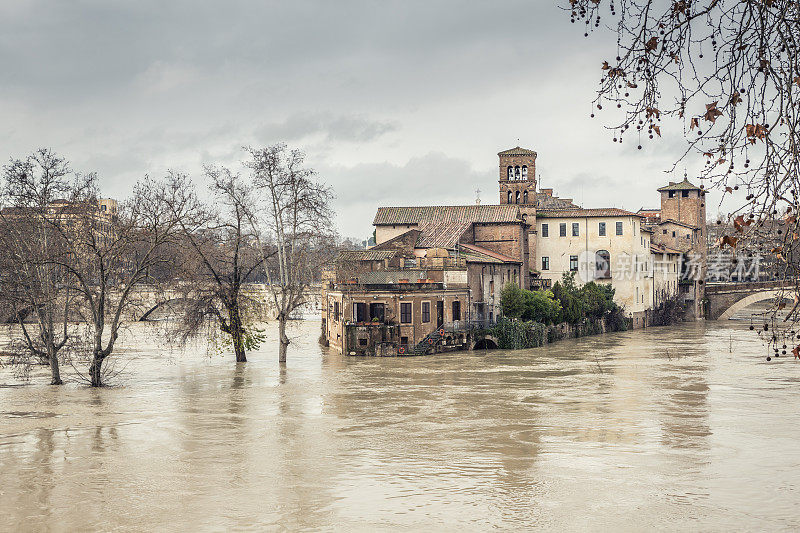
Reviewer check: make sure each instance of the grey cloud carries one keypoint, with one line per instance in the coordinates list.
(352, 128)
(375, 92)
(432, 179)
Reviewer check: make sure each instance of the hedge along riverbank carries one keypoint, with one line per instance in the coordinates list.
(517, 334)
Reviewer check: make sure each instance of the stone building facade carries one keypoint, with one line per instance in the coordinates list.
(443, 267)
(680, 225)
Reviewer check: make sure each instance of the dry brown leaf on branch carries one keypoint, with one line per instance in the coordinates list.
(712, 112)
(652, 112)
(739, 223)
(679, 7)
(735, 99)
(796, 352)
(755, 131)
(657, 130)
(728, 189)
(651, 45)
(729, 240)
(605, 66)
(695, 123)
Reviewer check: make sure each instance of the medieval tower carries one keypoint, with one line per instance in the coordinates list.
(517, 185)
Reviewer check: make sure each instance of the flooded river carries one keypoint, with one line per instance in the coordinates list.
(685, 427)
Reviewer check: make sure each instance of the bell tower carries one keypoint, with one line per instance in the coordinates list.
(518, 187)
(518, 178)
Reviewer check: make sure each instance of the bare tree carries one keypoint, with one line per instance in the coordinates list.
(111, 255)
(298, 219)
(35, 192)
(221, 254)
(724, 74)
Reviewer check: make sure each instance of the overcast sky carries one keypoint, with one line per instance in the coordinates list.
(395, 103)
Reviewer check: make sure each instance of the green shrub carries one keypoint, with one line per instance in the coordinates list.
(536, 306)
(514, 334)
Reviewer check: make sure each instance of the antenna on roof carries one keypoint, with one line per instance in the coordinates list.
(477, 197)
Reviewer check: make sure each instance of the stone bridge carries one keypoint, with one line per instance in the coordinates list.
(150, 304)
(726, 299)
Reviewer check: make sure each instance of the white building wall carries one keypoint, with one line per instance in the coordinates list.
(665, 274)
(630, 258)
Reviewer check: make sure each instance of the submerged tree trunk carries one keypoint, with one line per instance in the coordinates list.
(237, 334)
(95, 370)
(284, 340)
(55, 371)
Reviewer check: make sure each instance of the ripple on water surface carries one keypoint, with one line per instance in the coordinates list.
(670, 428)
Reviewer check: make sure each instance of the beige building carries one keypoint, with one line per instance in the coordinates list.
(435, 269)
(608, 246)
(680, 225)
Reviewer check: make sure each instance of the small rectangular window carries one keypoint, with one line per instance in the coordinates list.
(545, 263)
(562, 230)
(573, 263)
(601, 229)
(456, 310)
(359, 311)
(685, 194)
(576, 229)
(336, 311)
(405, 313)
(426, 311)
(619, 228)
(672, 194)
(545, 230)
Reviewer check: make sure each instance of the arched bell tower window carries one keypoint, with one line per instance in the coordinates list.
(525, 197)
(602, 264)
(517, 196)
(524, 172)
(509, 197)
(516, 173)
(511, 173)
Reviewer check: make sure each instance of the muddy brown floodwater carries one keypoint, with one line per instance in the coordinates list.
(676, 428)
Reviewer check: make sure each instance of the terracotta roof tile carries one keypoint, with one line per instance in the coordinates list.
(446, 214)
(684, 185)
(517, 151)
(572, 213)
(673, 221)
(655, 248)
(502, 258)
(441, 235)
(366, 255)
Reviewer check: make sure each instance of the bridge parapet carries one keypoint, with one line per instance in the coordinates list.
(726, 299)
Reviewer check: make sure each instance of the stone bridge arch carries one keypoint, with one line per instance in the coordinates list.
(750, 299)
(164, 304)
(485, 342)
